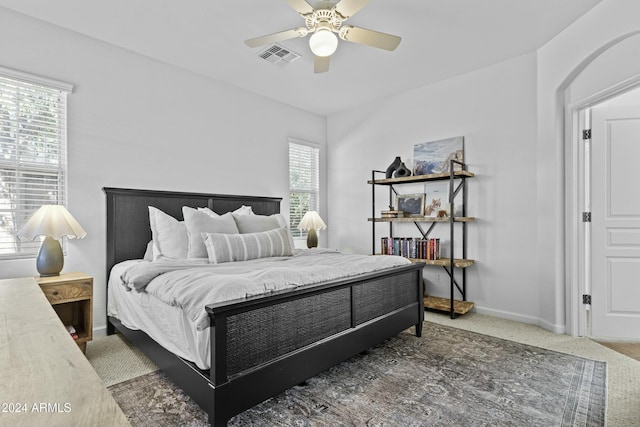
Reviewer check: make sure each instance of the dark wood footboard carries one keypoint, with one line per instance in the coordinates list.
(265, 345)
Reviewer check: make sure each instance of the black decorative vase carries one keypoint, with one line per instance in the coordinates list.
(393, 166)
(402, 171)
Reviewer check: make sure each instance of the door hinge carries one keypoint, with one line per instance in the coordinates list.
(586, 216)
(586, 134)
(586, 299)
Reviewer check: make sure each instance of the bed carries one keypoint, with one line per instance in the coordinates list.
(262, 345)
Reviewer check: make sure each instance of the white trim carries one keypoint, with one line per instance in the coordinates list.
(607, 94)
(557, 329)
(35, 79)
(303, 142)
(573, 272)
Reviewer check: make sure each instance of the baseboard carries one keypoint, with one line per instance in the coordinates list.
(557, 329)
(100, 332)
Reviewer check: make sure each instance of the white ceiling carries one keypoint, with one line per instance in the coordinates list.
(440, 39)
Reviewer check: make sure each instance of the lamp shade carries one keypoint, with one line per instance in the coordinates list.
(311, 220)
(53, 221)
(323, 42)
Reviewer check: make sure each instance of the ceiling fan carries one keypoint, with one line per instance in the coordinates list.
(322, 22)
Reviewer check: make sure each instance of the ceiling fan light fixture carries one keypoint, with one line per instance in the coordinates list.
(323, 42)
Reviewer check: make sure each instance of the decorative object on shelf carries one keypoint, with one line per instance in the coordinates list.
(311, 221)
(392, 167)
(435, 156)
(53, 222)
(411, 204)
(402, 171)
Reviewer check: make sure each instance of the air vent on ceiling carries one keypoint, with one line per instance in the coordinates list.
(277, 54)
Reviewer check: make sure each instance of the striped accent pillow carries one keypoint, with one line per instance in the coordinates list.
(242, 247)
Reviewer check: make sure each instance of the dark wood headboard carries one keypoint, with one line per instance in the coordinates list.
(128, 229)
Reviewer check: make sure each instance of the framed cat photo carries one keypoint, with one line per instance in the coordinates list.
(436, 198)
(410, 204)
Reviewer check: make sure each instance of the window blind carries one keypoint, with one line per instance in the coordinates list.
(304, 183)
(33, 158)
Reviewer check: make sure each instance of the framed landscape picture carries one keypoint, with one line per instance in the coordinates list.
(435, 156)
(410, 204)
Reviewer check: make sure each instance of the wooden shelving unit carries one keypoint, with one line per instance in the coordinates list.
(424, 219)
(457, 183)
(421, 178)
(446, 262)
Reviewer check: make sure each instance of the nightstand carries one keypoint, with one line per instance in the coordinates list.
(71, 295)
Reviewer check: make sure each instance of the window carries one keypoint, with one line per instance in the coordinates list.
(33, 158)
(304, 182)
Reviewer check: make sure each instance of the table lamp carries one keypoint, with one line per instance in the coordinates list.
(312, 221)
(53, 222)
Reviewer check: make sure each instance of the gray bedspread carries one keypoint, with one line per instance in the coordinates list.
(193, 285)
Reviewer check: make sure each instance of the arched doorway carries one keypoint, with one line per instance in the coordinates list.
(608, 78)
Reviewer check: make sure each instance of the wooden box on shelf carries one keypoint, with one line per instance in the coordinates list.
(71, 295)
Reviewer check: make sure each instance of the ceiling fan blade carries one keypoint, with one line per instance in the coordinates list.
(276, 37)
(300, 6)
(348, 8)
(369, 37)
(321, 64)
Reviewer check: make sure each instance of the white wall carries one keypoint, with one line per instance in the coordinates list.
(137, 123)
(568, 69)
(495, 110)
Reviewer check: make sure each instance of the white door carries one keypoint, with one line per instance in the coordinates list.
(615, 221)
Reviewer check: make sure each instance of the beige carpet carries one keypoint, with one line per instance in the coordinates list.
(115, 361)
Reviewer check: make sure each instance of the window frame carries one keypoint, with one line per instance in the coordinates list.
(56, 93)
(314, 192)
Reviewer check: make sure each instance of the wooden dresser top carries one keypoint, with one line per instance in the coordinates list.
(46, 380)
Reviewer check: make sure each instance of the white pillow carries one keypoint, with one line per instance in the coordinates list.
(242, 210)
(199, 222)
(257, 223)
(242, 247)
(208, 212)
(170, 238)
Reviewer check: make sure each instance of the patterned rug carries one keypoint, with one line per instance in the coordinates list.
(449, 377)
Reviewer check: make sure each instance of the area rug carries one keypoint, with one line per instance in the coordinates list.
(449, 377)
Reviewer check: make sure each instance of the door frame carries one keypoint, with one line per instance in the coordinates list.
(577, 246)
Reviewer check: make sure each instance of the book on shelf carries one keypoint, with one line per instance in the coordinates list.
(392, 214)
(411, 247)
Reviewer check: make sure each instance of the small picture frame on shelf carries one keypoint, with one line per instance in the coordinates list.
(436, 198)
(410, 204)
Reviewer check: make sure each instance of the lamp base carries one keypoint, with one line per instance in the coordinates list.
(312, 239)
(50, 258)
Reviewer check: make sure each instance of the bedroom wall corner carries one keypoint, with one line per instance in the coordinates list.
(495, 110)
(138, 123)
